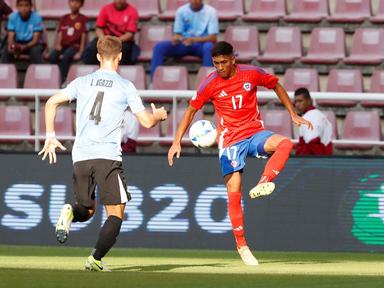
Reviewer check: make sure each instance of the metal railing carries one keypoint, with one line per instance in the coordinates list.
(175, 95)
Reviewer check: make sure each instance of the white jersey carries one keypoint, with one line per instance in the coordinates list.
(102, 98)
(322, 128)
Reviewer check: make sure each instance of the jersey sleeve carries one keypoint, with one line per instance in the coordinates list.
(178, 26)
(11, 25)
(101, 20)
(132, 21)
(203, 94)
(213, 24)
(133, 99)
(266, 80)
(37, 23)
(71, 89)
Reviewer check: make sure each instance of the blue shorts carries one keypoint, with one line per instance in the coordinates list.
(232, 158)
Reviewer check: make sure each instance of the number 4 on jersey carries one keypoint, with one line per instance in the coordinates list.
(96, 108)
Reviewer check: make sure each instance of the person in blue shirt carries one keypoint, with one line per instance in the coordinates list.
(195, 31)
(25, 28)
(101, 98)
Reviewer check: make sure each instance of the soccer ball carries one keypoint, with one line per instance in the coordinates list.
(203, 133)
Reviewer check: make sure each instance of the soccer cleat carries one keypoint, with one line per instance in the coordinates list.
(262, 189)
(247, 256)
(95, 265)
(64, 223)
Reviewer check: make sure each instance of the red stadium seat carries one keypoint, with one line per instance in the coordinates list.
(343, 80)
(284, 45)
(12, 4)
(77, 70)
(228, 9)
(202, 74)
(135, 74)
(8, 76)
(146, 9)
(295, 78)
(53, 9)
(64, 125)
(278, 121)
(245, 40)
(265, 10)
(379, 17)
(308, 11)
(331, 116)
(367, 47)
(377, 86)
(360, 125)
(170, 8)
(149, 36)
(179, 116)
(14, 120)
(326, 46)
(351, 11)
(92, 8)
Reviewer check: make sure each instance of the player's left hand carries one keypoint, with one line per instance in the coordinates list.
(159, 113)
(298, 120)
(49, 149)
(188, 41)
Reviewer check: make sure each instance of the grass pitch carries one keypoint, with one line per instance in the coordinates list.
(32, 266)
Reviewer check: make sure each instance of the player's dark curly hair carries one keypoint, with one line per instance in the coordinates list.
(29, 1)
(222, 48)
(303, 91)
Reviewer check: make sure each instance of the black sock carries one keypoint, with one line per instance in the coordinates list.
(80, 213)
(107, 236)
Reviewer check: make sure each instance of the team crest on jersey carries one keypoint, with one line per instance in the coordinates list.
(247, 86)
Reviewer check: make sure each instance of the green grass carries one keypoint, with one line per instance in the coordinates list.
(33, 266)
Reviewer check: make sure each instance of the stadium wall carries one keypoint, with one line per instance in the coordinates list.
(321, 204)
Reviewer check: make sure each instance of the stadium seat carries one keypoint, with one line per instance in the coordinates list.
(351, 11)
(53, 9)
(228, 10)
(12, 4)
(169, 11)
(265, 10)
(360, 125)
(377, 86)
(331, 116)
(42, 76)
(343, 80)
(202, 73)
(278, 121)
(311, 11)
(295, 78)
(8, 76)
(92, 8)
(64, 125)
(245, 40)
(284, 45)
(378, 18)
(149, 36)
(179, 116)
(14, 120)
(326, 46)
(135, 74)
(77, 70)
(147, 9)
(367, 47)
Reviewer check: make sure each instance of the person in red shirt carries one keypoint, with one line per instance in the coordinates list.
(71, 38)
(118, 19)
(232, 90)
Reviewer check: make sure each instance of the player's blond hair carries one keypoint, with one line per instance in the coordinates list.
(109, 47)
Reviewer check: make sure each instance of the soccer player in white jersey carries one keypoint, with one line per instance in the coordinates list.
(102, 98)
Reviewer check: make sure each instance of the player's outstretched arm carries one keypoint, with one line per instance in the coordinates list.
(149, 120)
(51, 143)
(184, 124)
(284, 98)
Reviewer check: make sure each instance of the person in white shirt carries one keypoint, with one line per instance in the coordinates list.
(318, 140)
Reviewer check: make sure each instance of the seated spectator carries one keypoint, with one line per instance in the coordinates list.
(195, 30)
(318, 140)
(5, 10)
(25, 28)
(130, 133)
(116, 19)
(70, 39)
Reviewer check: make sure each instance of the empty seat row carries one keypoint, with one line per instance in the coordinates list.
(346, 11)
(358, 125)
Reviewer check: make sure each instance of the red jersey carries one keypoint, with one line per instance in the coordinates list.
(117, 22)
(72, 30)
(235, 102)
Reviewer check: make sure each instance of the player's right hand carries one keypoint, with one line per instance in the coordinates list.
(159, 113)
(49, 149)
(175, 149)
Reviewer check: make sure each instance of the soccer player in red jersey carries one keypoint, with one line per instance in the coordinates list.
(232, 90)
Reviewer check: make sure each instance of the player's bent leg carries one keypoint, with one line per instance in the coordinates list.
(247, 256)
(64, 223)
